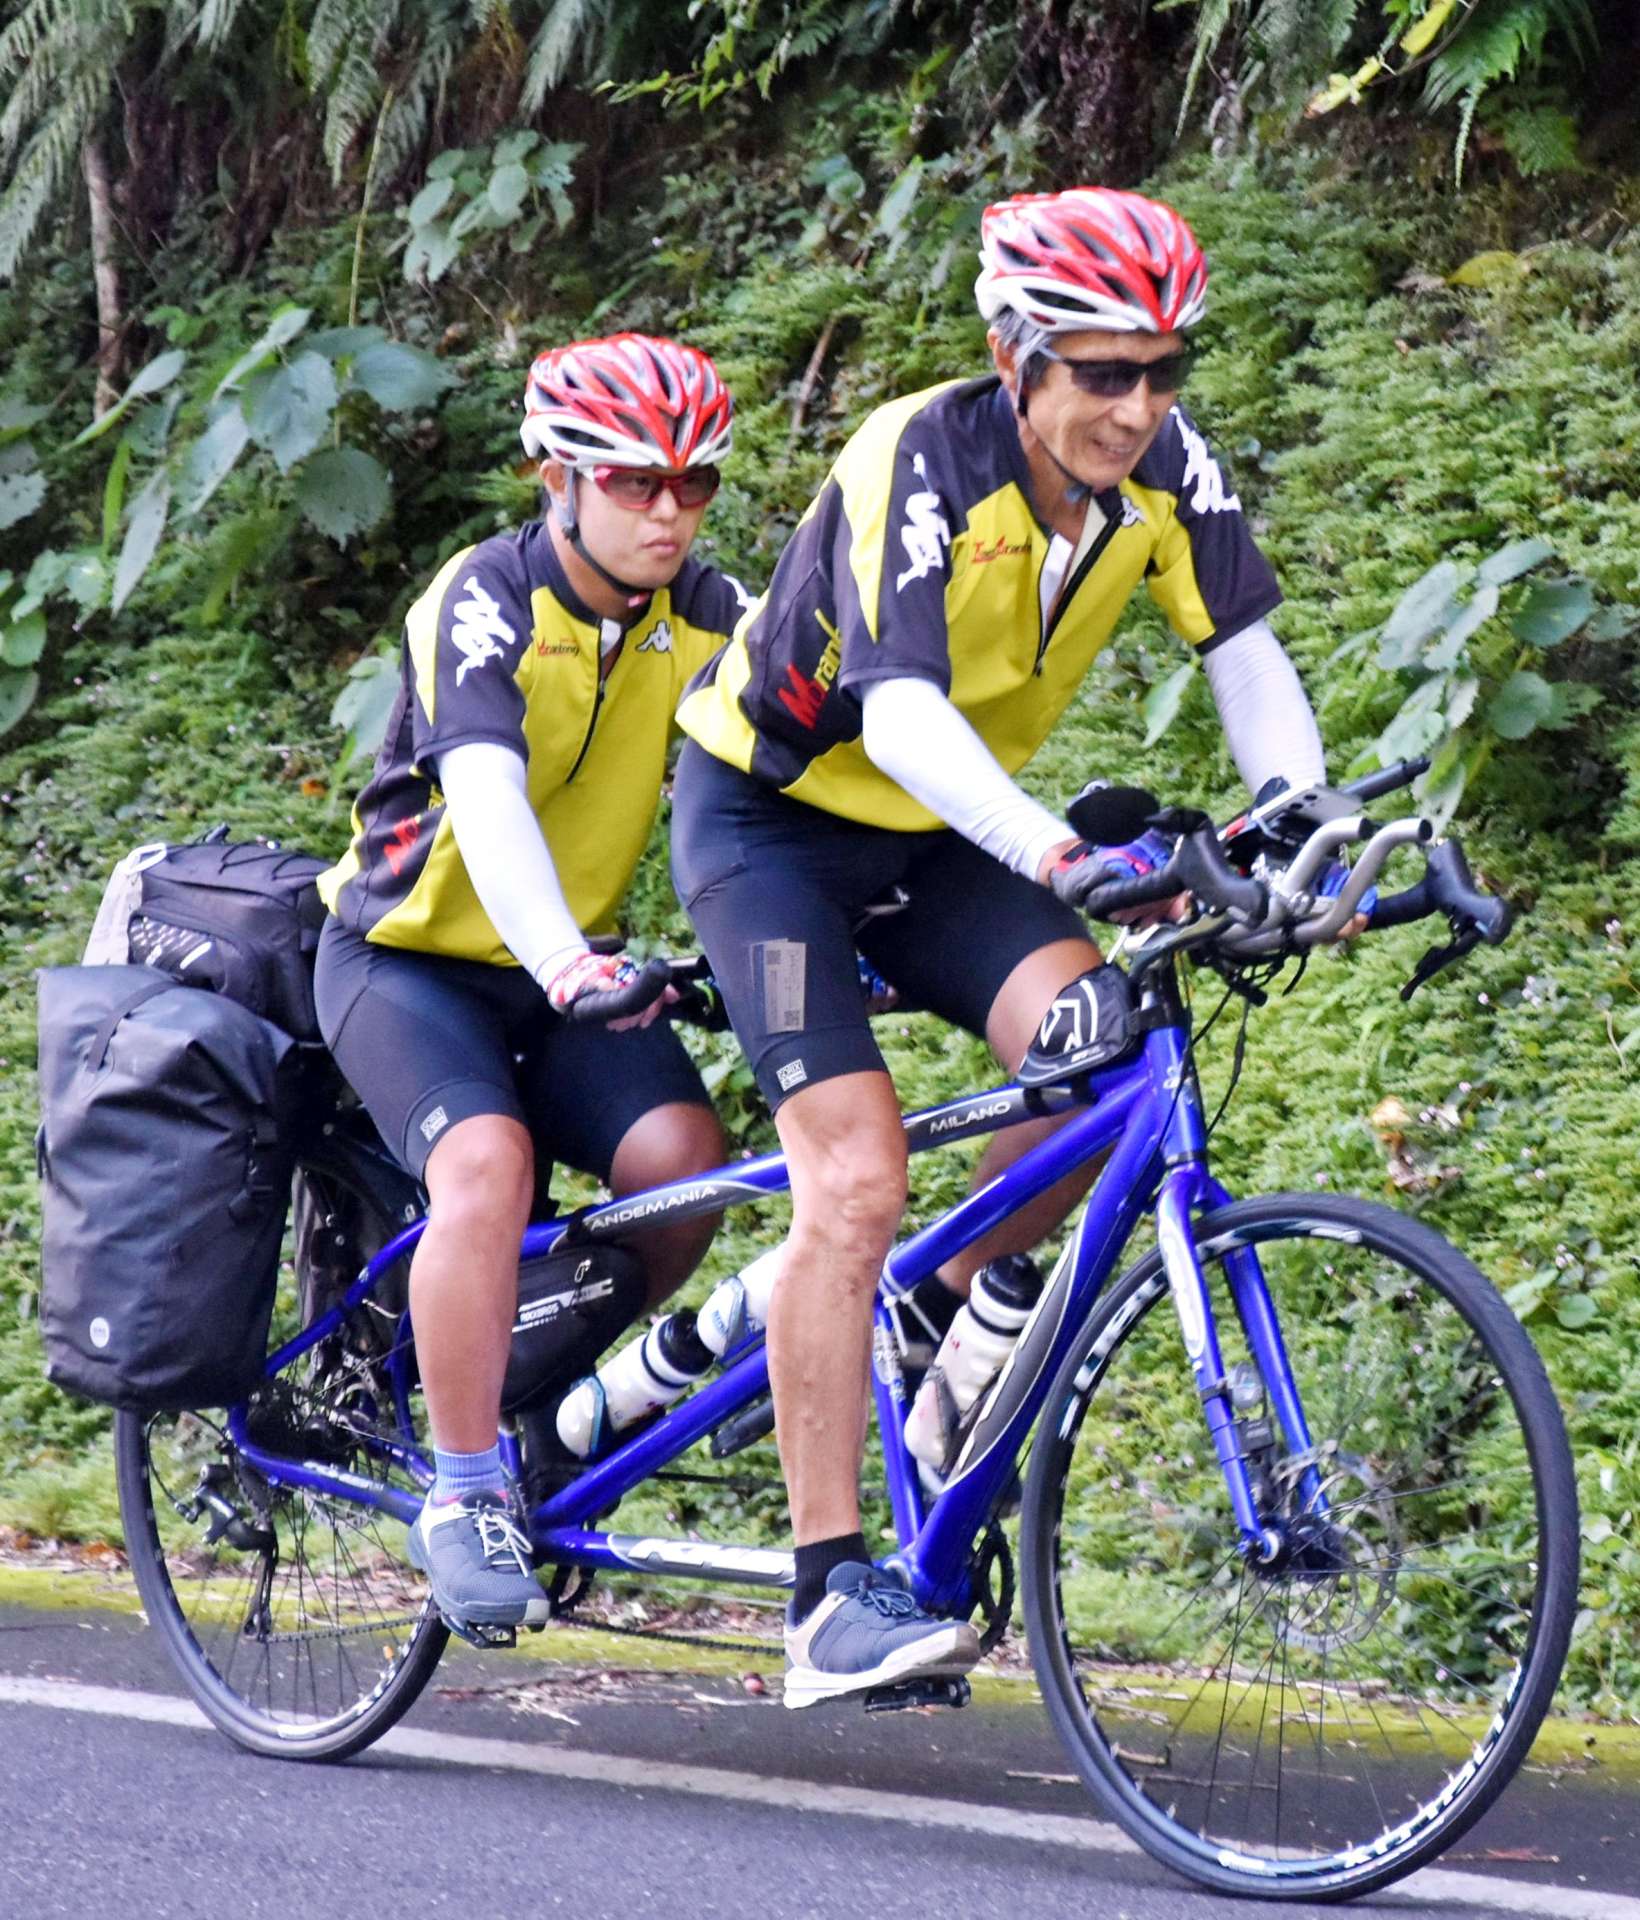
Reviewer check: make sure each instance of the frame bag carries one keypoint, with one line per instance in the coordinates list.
(165, 1174)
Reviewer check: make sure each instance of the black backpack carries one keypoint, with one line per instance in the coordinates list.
(241, 918)
(165, 1177)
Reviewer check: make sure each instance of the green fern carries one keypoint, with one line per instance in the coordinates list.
(1499, 41)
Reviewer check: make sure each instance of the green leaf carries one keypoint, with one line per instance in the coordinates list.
(335, 342)
(1521, 705)
(1448, 650)
(399, 377)
(899, 200)
(22, 643)
(513, 146)
(430, 202)
(477, 216)
(1552, 611)
(290, 413)
(17, 690)
(451, 161)
(142, 535)
(86, 581)
(17, 415)
(285, 325)
(1577, 1311)
(430, 255)
(153, 378)
(1412, 731)
(1612, 623)
(20, 494)
(1162, 703)
(365, 704)
(1420, 613)
(509, 189)
(1460, 700)
(113, 505)
(1497, 268)
(1510, 562)
(210, 459)
(343, 492)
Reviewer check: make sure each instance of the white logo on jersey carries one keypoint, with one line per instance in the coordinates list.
(658, 639)
(478, 629)
(926, 531)
(747, 601)
(1205, 472)
(1131, 516)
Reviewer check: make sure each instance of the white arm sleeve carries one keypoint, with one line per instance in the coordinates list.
(913, 733)
(1266, 715)
(506, 856)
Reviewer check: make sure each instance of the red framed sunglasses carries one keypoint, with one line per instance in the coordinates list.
(640, 487)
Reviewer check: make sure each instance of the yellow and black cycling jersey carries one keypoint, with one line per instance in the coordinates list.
(921, 556)
(501, 648)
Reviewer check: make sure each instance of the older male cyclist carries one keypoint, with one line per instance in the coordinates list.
(509, 804)
(967, 558)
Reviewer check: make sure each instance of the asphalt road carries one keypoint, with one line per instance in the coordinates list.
(521, 1785)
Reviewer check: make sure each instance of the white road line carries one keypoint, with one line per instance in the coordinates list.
(1433, 1887)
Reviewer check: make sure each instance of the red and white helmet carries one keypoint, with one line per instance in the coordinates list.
(628, 401)
(1090, 257)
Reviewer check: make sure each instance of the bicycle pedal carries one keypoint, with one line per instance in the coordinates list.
(949, 1691)
(478, 1634)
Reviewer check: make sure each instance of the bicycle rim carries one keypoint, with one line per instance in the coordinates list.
(1319, 1729)
(293, 1617)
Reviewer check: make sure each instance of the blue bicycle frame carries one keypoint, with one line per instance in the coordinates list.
(1148, 1116)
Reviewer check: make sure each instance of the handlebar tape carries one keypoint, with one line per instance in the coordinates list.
(598, 1009)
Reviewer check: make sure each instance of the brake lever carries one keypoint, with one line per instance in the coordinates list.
(1438, 958)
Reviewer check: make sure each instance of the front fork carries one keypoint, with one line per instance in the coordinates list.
(1186, 1189)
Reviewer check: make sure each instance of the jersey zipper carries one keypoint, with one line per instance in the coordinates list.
(597, 703)
(1068, 592)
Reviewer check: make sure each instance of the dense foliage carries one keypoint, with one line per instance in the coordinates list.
(1428, 402)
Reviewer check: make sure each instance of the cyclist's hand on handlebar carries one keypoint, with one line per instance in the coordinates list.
(610, 989)
(1075, 871)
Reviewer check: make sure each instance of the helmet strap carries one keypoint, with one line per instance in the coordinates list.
(1076, 491)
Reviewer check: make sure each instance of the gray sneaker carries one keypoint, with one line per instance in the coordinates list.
(869, 1632)
(477, 1563)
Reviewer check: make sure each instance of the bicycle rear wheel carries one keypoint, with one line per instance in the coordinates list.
(1320, 1727)
(293, 1617)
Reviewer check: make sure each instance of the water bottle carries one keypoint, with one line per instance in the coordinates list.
(641, 1379)
(739, 1306)
(971, 1355)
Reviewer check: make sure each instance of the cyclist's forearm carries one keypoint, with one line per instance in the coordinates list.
(1264, 710)
(506, 857)
(913, 733)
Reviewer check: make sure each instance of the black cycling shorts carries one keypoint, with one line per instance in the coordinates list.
(426, 1041)
(776, 888)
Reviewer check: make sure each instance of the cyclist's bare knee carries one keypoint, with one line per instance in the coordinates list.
(480, 1177)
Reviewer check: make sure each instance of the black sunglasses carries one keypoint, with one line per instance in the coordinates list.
(1110, 379)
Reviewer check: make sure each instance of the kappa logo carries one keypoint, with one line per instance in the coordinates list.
(1204, 473)
(477, 629)
(926, 533)
(747, 600)
(1131, 516)
(658, 639)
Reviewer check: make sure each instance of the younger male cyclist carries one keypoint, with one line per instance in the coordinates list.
(935, 611)
(508, 807)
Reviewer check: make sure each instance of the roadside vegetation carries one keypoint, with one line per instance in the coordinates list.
(219, 493)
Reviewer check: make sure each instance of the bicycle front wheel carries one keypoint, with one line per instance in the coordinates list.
(1320, 1726)
(292, 1616)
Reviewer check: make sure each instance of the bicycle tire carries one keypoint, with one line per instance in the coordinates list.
(1456, 1723)
(265, 1641)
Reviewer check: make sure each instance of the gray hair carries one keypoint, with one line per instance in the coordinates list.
(1028, 342)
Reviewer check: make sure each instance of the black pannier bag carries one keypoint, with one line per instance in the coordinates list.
(165, 1177)
(572, 1304)
(239, 917)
